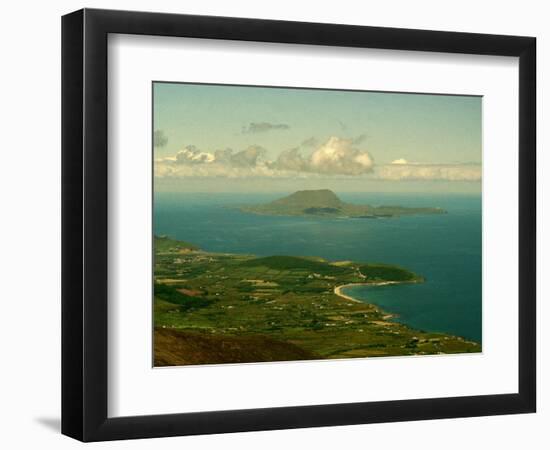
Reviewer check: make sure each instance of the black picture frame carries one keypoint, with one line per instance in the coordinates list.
(84, 224)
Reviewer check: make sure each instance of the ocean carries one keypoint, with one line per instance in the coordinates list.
(445, 249)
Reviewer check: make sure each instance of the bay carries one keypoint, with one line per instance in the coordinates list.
(445, 249)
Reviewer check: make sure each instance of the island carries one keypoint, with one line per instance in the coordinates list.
(214, 308)
(325, 203)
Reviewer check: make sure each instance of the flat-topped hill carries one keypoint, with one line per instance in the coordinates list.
(325, 203)
(312, 198)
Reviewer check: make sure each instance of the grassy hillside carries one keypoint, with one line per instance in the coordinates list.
(174, 296)
(178, 348)
(167, 244)
(381, 272)
(295, 262)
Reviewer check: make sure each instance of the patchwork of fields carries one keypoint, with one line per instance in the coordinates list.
(212, 308)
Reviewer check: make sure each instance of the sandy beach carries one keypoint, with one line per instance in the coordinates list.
(386, 318)
(339, 293)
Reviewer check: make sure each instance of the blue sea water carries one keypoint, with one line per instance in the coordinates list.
(445, 249)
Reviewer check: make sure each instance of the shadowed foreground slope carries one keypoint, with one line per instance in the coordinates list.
(178, 348)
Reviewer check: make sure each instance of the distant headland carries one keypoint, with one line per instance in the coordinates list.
(325, 203)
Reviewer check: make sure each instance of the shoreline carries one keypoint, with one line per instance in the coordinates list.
(339, 293)
(387, 315)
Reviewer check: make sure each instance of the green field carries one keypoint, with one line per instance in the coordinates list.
(212, 308)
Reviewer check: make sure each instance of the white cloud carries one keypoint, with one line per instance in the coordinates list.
(399, 161)
(401, 170)
(216, 170)
(192, 155)
(337, 157)
(250, 157)
(290, 160)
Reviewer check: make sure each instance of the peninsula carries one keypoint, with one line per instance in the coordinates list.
(214, 308)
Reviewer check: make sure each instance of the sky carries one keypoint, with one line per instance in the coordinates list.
(242, 138)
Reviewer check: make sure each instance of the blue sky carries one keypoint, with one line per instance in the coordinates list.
(206, 135)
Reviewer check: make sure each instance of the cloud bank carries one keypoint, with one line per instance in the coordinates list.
(401, 170)
(336, 157)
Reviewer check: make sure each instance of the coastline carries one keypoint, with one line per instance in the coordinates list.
(339, 293)
(336, 324)
(388, 315)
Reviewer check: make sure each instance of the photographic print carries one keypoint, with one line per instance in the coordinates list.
(309, 224)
